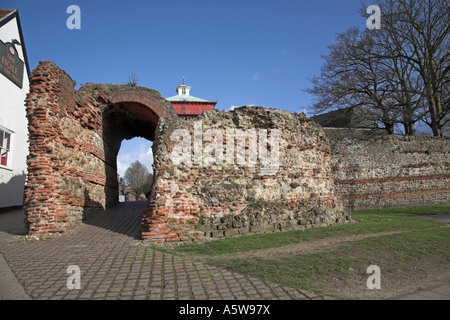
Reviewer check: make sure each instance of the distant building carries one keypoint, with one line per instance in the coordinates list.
(14, 86)
(348, 122)
(187, 106)
(130, 195)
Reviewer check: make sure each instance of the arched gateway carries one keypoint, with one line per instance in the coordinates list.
(75, 136)
(74, 140)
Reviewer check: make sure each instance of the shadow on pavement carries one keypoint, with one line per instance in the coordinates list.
(12, 220)
(125, 218)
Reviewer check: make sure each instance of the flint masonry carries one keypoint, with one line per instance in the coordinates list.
(75, 137)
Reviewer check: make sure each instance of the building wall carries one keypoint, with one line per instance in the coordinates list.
(192, 108)
(13, 118)
(387, 171)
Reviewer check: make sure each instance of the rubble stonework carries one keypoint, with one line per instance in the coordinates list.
(387, 171)
(75, 136)
(191, 202)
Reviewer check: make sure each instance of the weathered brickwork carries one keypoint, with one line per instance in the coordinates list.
(74, 142)
(385, 171)
(75, 136)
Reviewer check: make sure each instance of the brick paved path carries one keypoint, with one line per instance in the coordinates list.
(114, 265)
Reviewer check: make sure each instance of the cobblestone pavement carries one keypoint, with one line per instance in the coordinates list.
(115, 265)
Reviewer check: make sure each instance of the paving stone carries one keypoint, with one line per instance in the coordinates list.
(114, 265)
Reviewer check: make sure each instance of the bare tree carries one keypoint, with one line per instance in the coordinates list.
(148, 185)
(122, 185)
(399, 74)
(354, 76)
(137, 177)
(417, 31)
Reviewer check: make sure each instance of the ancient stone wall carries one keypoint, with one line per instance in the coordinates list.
(197, 200)
(249, 170)
(74, 140)
(66, 155)
(386, 171)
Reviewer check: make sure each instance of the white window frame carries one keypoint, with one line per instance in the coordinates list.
(8, 165)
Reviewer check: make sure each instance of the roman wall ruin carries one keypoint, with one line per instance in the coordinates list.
(197, 200)
(372, 172)
(74, 139)
(75, 136)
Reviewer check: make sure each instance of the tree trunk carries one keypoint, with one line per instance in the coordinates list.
(410, 129)
(436, 123)
(389, 127)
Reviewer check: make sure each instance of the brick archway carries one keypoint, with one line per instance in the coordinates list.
(145, 98)
(74, 140)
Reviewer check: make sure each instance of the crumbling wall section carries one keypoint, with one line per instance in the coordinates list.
(211, 200)
(74, 140)
(67, 159)
(388, 171)
(210, 181)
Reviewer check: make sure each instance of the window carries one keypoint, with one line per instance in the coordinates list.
(183, 91)
(5, 145)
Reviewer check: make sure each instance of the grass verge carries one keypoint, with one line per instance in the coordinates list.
(411, 253)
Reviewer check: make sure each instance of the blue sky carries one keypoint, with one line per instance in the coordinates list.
(237, 52)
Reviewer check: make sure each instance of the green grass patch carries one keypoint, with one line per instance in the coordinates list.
(368, 221)
(414, 251)
(419, 247)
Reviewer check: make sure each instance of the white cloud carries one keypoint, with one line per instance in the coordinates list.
(147, 159)
(143, 153)
(255, 76)
(232, 108)
(122, 167)
(123, 162)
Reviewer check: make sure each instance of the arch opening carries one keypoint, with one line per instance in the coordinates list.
(132, 151)
(124, 121)
(75, 137)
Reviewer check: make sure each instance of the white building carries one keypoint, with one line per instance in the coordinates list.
(14, 86)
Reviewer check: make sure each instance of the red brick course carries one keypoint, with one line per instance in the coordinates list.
(71, 165)
(391, 171)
